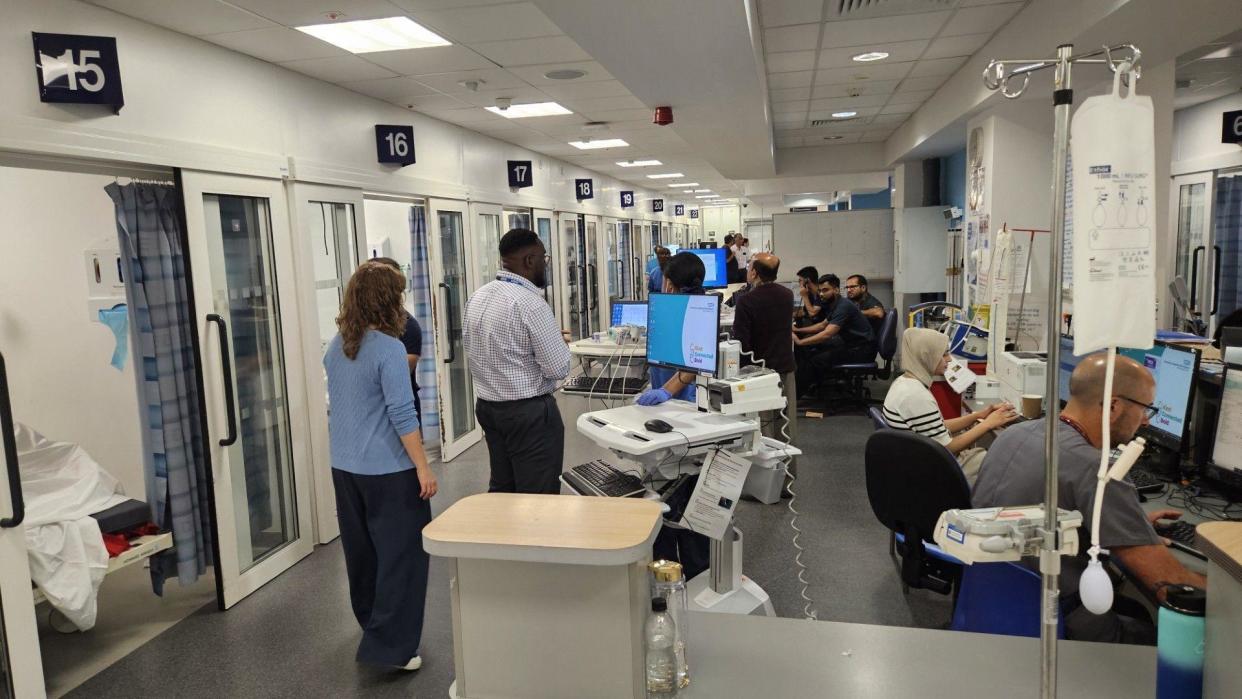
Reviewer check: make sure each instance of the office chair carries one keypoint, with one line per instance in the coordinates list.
(853, 377)
(910, 481)
(1000, 598)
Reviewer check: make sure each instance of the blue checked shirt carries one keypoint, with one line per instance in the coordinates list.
(513, 342)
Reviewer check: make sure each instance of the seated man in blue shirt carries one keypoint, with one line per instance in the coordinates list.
(683, 274)
(844, 336)
(655, 270)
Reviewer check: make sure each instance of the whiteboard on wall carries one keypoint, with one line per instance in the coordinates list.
(837, 242)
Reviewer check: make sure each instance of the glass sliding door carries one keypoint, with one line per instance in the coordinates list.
(486, 239)
(517, 218)
(545, 230)
(595, 286)
(243, 270)
(1194, 254)
(573, 272)
(331, 241)
(451, 285)
(611, 251)
(625, 261)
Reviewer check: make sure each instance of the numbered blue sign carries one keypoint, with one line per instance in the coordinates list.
(520, 174)
(584, 189)
(78, 69)
(627, 200)
(394, 144)
(694, 213)
(679, 209)
(657, 205)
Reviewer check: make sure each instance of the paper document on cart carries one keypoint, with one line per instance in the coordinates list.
(715, 496)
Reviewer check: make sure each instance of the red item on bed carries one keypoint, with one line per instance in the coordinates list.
(116, 544)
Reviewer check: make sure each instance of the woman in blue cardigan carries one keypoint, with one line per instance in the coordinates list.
(380, 472)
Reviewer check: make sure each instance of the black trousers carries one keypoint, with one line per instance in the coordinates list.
(382, 520)
(525, 442)
(815, 365)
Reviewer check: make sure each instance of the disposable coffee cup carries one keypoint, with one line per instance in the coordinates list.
(1032, 406)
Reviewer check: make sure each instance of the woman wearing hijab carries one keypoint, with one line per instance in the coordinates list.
(379, 470)
(911, 406)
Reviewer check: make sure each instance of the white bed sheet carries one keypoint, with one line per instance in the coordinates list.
(62, 486)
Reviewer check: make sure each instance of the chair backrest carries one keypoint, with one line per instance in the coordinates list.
(911, 480)
(888, 336)
(877, 417)
(1000, 598)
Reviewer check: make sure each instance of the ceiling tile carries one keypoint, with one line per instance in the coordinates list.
(591, 90)
(396, 90)
(781, 81)
(520, 95)
(532, 51)
(790, 61)
(534, 74)
(470, 25)
(339, 69)
(620, 115)
(433, 59)
(859, 72)
(416, 5)
(296, 13)
(899, 109)
(784, 108)
(930, 82)
(789, 142)
(897, 52)
(193, 18)
(965, 45)
(276, 44)
(984, 19)
(865, 32)
(890, 119)
(911, 97)
(776, 13)
(937, 66)
(862, 87)
(432, 103)
(490, 79)
(848, 103)
(793, 94)
(605, 103)
(798, 37)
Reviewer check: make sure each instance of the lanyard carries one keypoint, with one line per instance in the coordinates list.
(1077, 427)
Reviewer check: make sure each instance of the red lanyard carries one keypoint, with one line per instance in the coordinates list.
(1077, 427)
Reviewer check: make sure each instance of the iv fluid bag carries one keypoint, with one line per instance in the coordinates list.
(1114, 220)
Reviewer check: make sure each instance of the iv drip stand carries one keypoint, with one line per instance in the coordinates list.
(998, 76)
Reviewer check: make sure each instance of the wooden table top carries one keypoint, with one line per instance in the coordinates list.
(1222, 542)
(545, 528)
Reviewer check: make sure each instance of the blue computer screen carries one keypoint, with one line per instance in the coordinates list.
(716, 276)
(629, 313)
(1174, 369)
(683, 331)
(1069, 361)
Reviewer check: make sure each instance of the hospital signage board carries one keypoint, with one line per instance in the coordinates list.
(1231, 130)
(679, 209)
(394, 143)
(584, 189)
(657, 205)
(694, 213)
(78, 69)
(520, 174)
(627, 200)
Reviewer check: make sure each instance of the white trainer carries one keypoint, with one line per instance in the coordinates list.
(415, 663)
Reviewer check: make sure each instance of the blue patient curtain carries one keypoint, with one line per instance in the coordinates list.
(420, 294)
(149, 229)
(1228, 213)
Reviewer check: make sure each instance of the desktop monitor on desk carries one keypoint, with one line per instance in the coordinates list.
(683, 332)
(629, 313)
(715, 273)
(1225, 466)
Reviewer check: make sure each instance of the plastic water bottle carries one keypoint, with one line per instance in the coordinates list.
(661, 635)
(669, 582)
(1179, 643)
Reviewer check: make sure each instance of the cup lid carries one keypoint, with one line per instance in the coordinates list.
(1185, 599)
(665, 571)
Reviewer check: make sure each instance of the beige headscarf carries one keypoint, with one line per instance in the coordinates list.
(921, 350)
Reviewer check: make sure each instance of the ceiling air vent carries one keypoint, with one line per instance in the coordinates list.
(887, 7)
(827, 122)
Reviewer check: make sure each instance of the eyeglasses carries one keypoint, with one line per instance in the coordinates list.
(852, 286)
(1151, 410)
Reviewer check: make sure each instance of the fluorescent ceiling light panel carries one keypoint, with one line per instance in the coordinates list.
(870, 56)
(685, 184)
(638, 163)
(370, 35)
(665, 176)
(844, 115)
(537, 109)
(706, 196)
(602, 143)
(702, 191)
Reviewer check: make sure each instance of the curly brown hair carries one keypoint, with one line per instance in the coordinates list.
(372, 300)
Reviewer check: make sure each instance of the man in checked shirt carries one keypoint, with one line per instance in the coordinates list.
(517, 355)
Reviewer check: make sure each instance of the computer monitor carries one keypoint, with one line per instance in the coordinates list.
(629, 313)
(1174, 367)
(715, 274)
(1225, 466)
(683, 331)
(1231, 345)
(673, 249)
(1069, 362)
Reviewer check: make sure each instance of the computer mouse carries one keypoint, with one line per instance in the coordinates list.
(658, 426)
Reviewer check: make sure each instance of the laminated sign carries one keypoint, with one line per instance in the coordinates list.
(1114, 224)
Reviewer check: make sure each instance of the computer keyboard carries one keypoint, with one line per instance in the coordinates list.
(1144, 482)
(603, 479)
(620, 385)
(1181, 535)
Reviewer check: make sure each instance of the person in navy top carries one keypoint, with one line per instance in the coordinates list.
(380, 472)
(683, 274)
(412, 338)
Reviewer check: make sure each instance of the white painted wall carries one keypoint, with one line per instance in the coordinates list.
(1196, 137)
(719, 221)
(60, 376)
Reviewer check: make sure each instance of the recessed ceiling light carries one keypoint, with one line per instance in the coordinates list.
(665, 176)
(564, 74)
(537, 109)
(702, 191)
(602, 143)
(370, 35)
(844, 115)
(684, 184)
(638, 163)
(871, 56)
(833, 138)
(706, 196)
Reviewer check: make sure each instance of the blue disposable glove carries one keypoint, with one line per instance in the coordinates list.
(654, 396)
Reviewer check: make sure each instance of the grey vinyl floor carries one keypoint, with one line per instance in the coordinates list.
(296, 636)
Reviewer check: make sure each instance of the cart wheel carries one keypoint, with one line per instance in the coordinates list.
(60, 623)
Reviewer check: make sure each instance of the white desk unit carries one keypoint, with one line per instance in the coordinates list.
(606, 348)
(549, 594)
(1222, 675)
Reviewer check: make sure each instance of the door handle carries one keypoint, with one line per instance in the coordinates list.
(1215, 279)
(594, 279)
(1194, 278)
(547, 266)
(226, 361)
(583, 299)
(10, 454)
(448, 322)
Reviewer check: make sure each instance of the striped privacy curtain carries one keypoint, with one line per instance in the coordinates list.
(420, 293)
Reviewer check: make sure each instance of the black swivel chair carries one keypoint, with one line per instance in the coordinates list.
(911, 480)
(853, 377)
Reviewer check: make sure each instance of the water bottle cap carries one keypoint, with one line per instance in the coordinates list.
(665, 571)
(659, 604)
(1185, 599)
